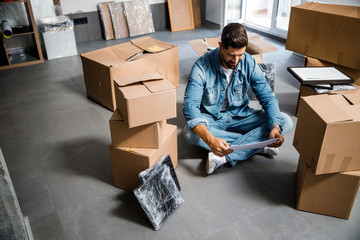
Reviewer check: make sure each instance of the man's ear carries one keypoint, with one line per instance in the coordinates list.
(220, 45)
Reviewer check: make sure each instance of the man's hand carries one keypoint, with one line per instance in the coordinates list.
(275, 133)
(217, 145)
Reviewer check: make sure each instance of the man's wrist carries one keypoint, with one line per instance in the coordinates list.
(278, 127)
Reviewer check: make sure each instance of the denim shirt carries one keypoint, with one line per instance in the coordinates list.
(205, 90)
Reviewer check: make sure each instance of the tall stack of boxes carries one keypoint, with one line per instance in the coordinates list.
(139, 132)
(137, 80)
(328, 126)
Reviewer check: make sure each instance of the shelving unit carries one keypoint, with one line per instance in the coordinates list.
(23, 48)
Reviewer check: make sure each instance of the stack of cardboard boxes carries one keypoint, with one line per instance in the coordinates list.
(328, 126)
(137, 80)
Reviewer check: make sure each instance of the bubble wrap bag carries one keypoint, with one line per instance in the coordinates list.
(159, 196)
(269, 72)
(164, 160)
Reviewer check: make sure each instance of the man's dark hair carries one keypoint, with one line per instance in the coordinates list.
(234, 35)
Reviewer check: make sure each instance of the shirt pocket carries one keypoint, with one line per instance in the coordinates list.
(210, 97)
(239, 94)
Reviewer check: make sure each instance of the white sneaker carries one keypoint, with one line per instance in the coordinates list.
(213, 162)
(271, 151)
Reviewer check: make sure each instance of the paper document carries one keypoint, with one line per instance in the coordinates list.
(253, 145)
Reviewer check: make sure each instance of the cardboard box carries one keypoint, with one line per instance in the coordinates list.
(139, 56)
(146, 136)
(327, 132)
(145, 99)
(327, 32)
(354, 74)
(127, 163)
(256, 45)
(329, 194)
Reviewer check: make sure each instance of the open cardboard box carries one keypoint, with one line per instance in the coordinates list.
(146, 136)
(327, 132)
(256, 46)
(127, 163)
(326, 31)
(329, 194)
(145, 99)
(139, 56)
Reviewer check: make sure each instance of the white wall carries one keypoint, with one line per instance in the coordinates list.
(72, 6)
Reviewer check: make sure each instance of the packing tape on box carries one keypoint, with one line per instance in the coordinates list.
(345, 163)
(329, 163)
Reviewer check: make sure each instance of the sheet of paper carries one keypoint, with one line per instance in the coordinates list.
(253, 145)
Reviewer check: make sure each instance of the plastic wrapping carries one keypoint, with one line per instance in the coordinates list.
(15, 13)
(159, 196)
(340, 87)
(139, 17)
(58, 36)
(165, 160)
(106, 21)
(269, 70)
(118, 20)
(56, 24)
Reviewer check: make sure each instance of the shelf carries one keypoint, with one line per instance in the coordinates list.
(23, 48)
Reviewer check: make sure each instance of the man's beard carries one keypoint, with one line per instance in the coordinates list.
(230, 64)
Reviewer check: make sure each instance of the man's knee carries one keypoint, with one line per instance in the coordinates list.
(188, 134)
(288, 123)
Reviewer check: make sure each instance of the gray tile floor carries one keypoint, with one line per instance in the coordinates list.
(55, 142)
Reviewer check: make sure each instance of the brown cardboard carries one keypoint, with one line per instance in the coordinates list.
(145, 99)
(102, 66)
(196, 13)
(181, 15)
(256, 46)
(106, 22)
(127, 163)
(329, 194)
(327, 132)
(326, 31)
(354, 74)
(146, 136)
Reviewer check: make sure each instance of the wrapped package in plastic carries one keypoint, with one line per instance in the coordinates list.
(58, 36)
(106, 21)
(164, 160)
(139, 17)
(269, 70)
(159, 196)
(118, 20)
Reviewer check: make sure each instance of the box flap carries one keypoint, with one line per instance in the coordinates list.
(328, 107)
(103, 56)
(212, 43)
(125, 51)
(138, 78)
(158, 85)
(343, 10)
(116, 116)
(353, 98)
(199, 45)
(258, 45)
(352, 173)
(135, 90)
(151, 45)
